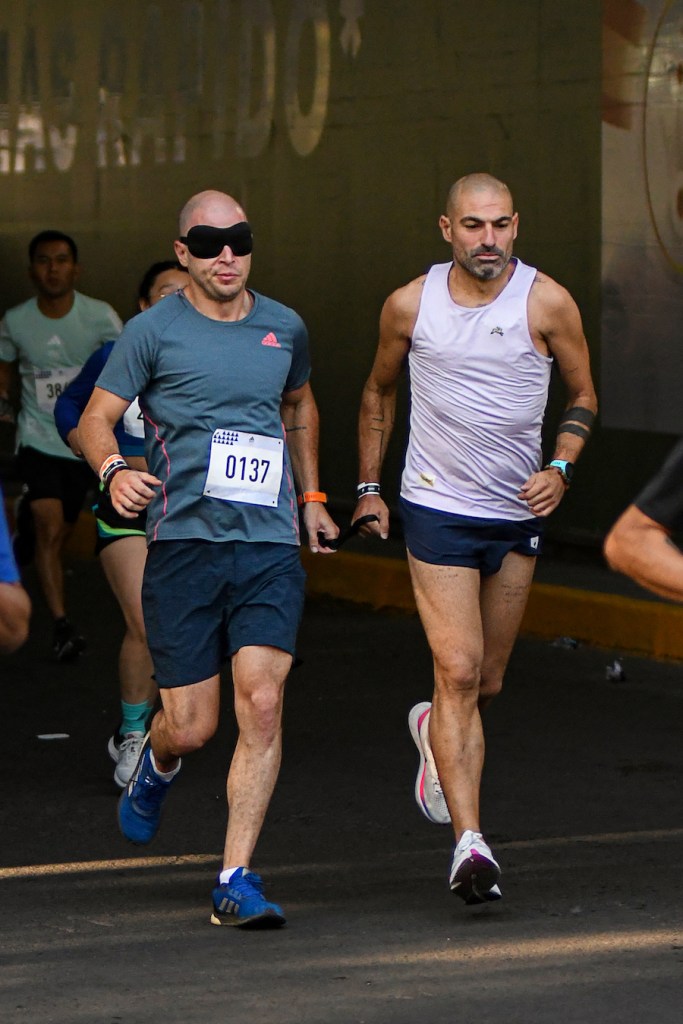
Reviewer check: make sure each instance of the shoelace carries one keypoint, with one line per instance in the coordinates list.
(148, 791)
(131, 745)
(433, 772)
(245, 883)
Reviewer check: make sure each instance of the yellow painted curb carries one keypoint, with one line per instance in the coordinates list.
(379, 582)
(653, 628)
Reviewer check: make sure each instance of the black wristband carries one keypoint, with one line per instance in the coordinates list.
(106, 483)
(364, 489)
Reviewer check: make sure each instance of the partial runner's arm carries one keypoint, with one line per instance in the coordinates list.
(73, 400)
(378, 401)
(556, 328)
(642, 549)
(131, 490)
(15, 611)
(300, 418)
(639, 544)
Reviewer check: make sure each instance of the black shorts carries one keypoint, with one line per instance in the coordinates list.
(202, 601)
(444, 538)
(47, 476)
(111, 526)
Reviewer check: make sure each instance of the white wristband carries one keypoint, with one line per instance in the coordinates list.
(366, 488)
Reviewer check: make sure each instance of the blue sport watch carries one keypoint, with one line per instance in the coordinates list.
(565, 469)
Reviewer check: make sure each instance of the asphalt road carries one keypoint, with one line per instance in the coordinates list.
(581, 799)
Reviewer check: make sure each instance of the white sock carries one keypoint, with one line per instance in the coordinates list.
(166, 776)
(226, 874)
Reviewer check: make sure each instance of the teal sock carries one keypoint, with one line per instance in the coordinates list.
(134, 717)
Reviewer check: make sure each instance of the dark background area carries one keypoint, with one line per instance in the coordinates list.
(113, 114)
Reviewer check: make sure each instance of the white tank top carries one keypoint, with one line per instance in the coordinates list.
(478, 393)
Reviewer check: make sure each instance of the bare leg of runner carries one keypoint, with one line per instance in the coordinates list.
(471, 629)
(259, 675)
(51, 533)
(123, 563)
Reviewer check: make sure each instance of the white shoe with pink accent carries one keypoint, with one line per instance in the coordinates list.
(428, 792)
(474, 871)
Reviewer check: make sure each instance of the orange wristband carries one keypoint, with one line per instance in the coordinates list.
(311, 496)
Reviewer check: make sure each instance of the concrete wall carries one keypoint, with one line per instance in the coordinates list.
(341, 126)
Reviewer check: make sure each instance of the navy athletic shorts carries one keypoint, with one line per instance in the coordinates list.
(202, 601)
(48, 476)
(444, 538)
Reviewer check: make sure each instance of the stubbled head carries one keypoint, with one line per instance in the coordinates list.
(217, 209)
(473, 185)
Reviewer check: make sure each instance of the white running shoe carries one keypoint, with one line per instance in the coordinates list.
(126, 754)
(474, 871)
(428, 792)
(491, 896)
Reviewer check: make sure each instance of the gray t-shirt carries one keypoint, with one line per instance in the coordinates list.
(51, 353)
(201, 381)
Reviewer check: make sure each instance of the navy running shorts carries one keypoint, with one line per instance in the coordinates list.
(47, 476)
(111, 526)
(444, 538)
(203, 600)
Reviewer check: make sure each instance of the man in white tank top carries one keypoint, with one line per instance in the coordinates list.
(480, 333)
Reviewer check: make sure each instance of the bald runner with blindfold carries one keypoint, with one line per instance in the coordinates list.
(231, 439)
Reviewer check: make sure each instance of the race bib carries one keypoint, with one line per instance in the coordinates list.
(133, 422)
(51, 383)
(245, 467)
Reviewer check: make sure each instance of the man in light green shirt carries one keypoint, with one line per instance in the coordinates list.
(49, 337)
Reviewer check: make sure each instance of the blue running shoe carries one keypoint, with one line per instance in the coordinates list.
(241, 902)
(141, 801)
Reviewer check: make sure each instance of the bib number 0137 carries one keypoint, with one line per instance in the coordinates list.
(245, 467)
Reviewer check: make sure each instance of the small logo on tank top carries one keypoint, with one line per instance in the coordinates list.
(497, 330)
(271, 340)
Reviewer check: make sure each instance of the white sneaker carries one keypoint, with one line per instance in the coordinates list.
(474, 871)
(491, 896)
(428, 792)
(128, 752)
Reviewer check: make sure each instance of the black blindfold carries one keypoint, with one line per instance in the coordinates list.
(205, 243)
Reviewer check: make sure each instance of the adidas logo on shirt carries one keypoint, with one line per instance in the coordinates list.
(271, 340)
